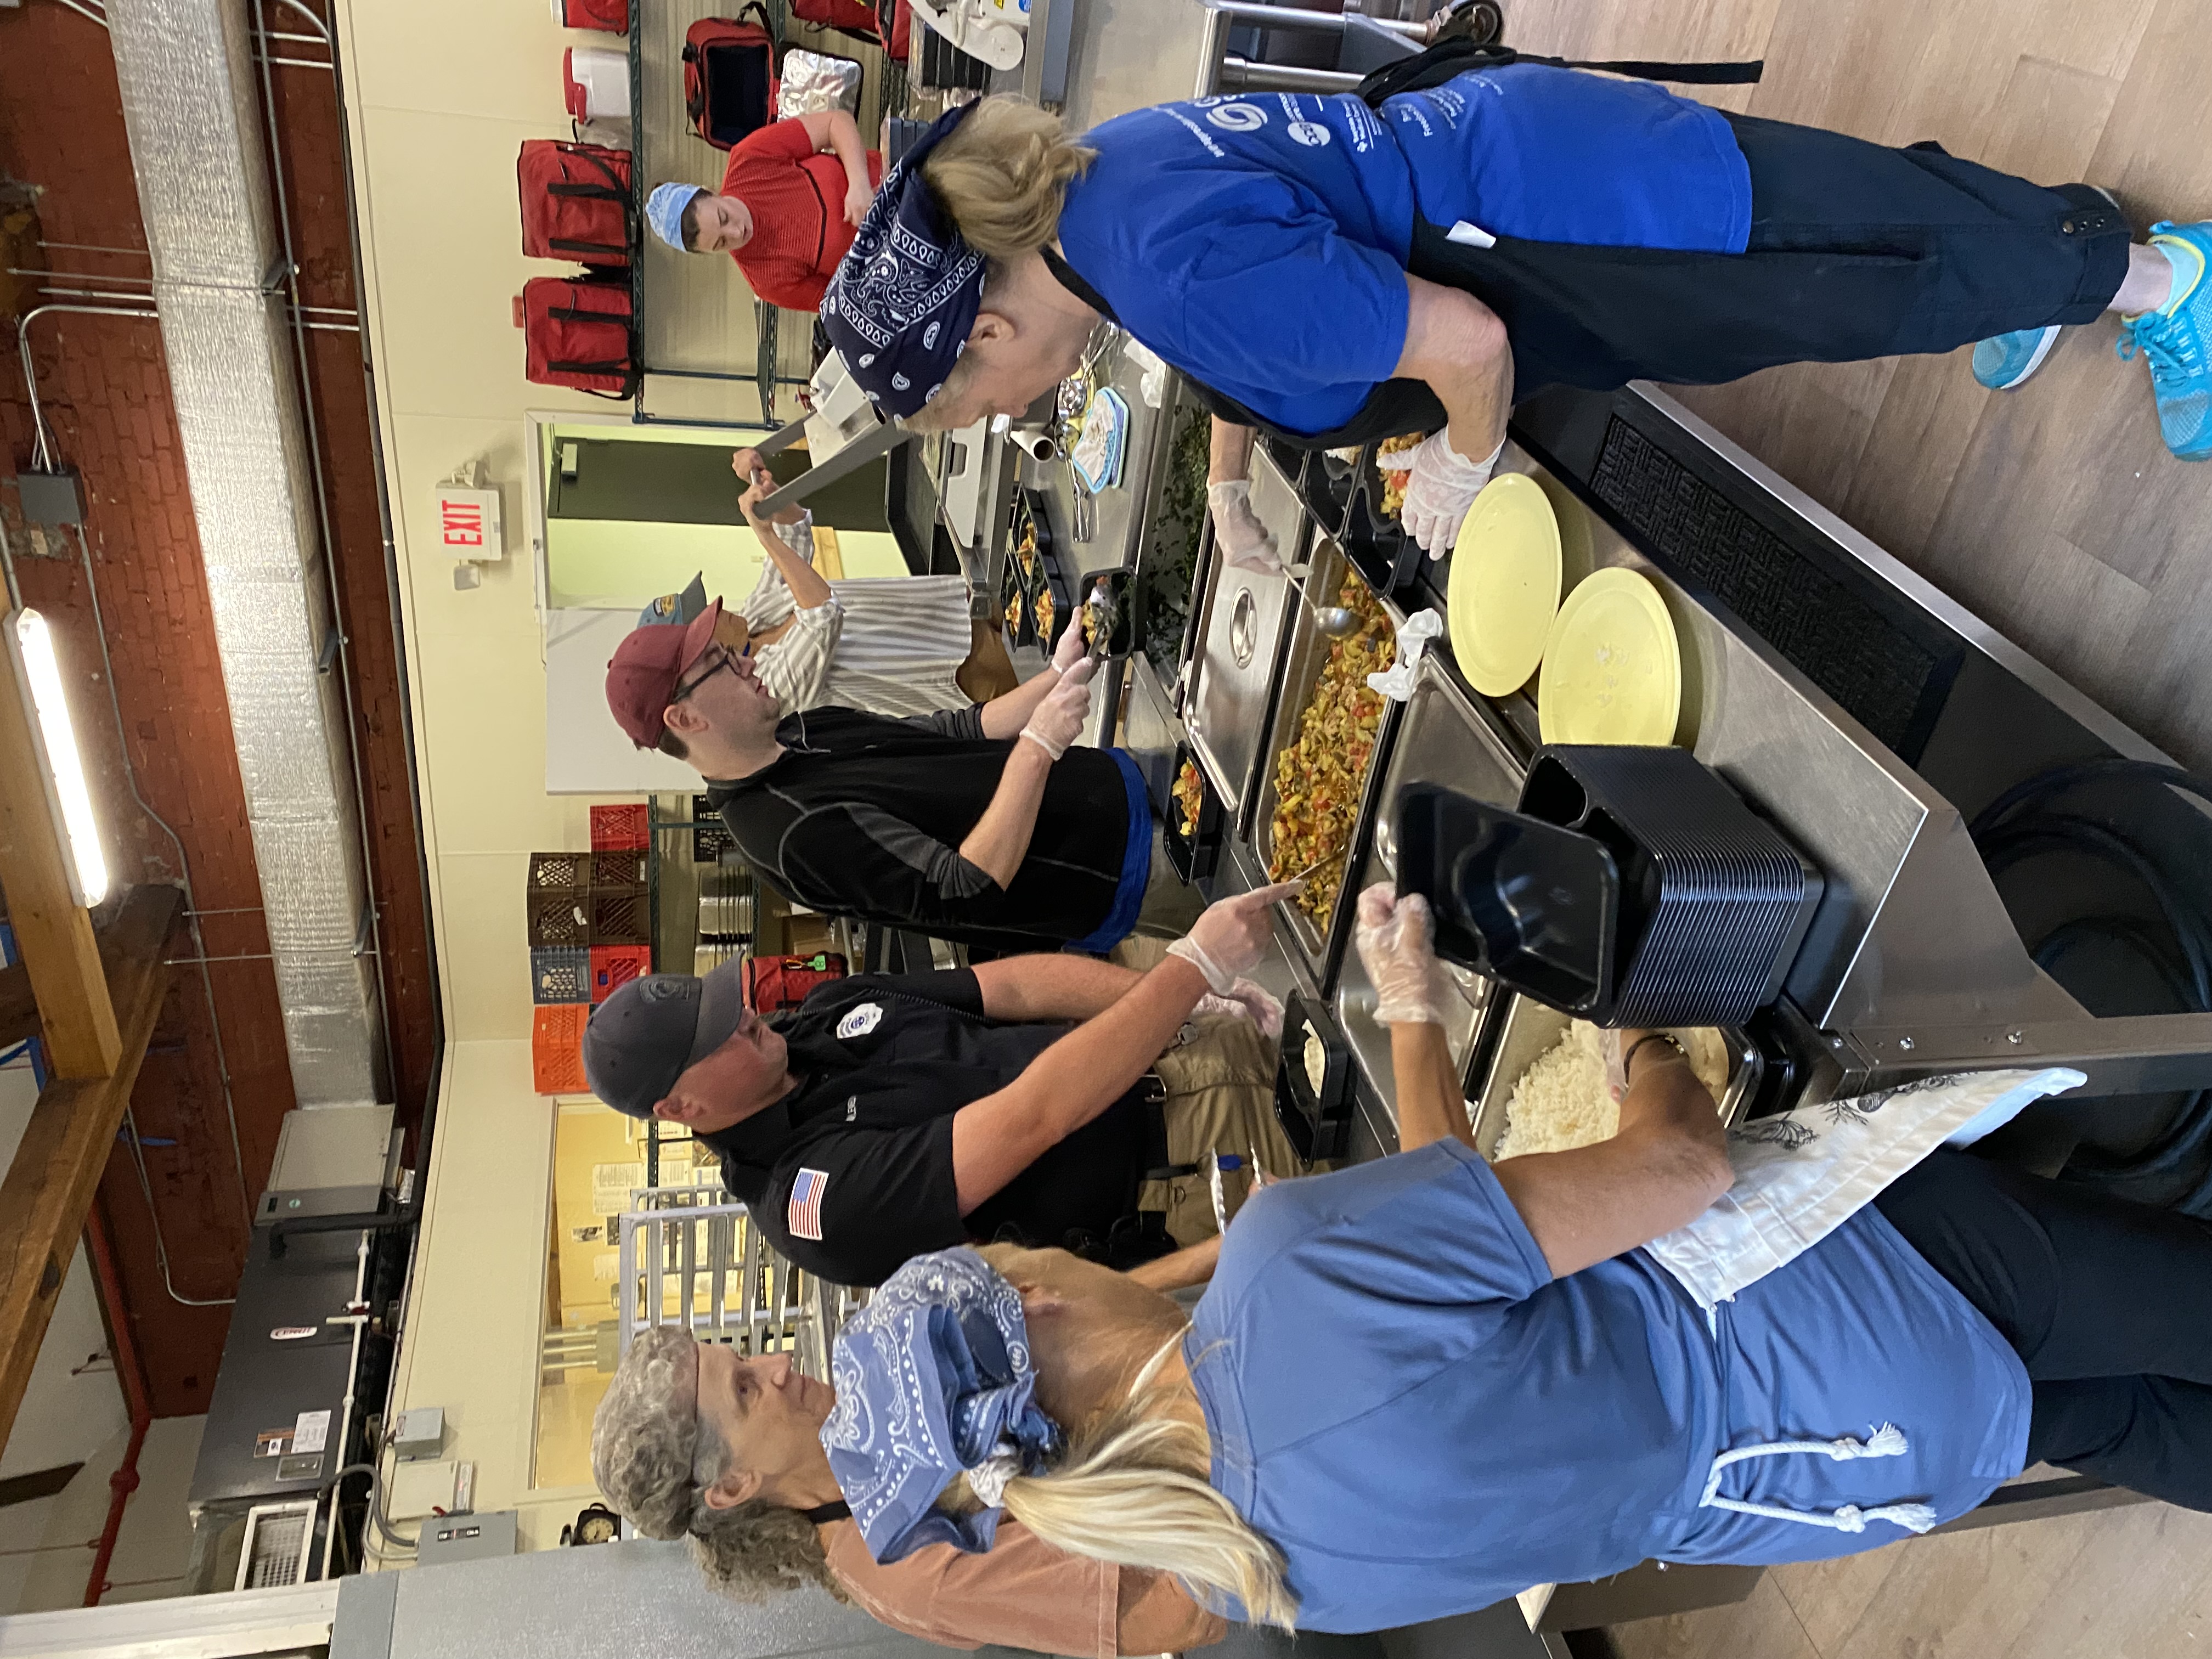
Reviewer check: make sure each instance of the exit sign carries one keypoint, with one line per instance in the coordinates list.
(468, 523)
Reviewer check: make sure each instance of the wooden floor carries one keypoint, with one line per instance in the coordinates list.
(2056, 513)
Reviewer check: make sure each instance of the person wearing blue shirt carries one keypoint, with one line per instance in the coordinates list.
(1330, 272)
(1419, 1385)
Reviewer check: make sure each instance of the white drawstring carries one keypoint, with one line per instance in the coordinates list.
(1888, 1441)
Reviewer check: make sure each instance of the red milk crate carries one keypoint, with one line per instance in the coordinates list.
(614, 965)
(619, 829)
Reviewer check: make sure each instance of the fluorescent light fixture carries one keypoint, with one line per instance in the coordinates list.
(38, 675)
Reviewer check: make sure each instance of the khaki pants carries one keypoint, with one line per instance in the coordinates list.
(1221, 1100)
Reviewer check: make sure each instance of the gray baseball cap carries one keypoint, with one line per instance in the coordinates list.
(641, 1038)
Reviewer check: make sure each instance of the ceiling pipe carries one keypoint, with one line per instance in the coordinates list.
(192, 105)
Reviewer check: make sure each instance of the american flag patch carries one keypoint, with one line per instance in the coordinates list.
(803, 1215)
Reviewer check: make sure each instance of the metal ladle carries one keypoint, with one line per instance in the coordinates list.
(1331, 621)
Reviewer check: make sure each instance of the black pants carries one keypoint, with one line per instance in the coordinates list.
(2109, 1304)
(1856, 251)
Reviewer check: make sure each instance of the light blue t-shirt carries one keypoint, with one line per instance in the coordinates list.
(1426, 1422)
(1258, 241)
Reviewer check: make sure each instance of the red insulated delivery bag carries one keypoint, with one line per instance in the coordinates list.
(895, 28)
(578, 334)
(611, 16)
(854, 17)
(774, 984)
(729, 77)
(576, 202)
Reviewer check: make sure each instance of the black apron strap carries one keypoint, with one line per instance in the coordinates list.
(1460, 55)
(823, 1514)
(1065, 275)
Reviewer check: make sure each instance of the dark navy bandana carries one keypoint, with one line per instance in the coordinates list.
(899, 309)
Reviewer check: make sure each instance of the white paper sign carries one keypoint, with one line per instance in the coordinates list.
(311, 1432)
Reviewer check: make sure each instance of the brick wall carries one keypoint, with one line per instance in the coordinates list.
(105, 390)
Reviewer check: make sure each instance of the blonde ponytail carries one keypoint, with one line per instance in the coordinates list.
(1133, 1490)
(1003, 175)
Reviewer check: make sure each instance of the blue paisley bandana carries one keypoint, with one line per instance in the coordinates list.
(905, 295)
(933, 1376)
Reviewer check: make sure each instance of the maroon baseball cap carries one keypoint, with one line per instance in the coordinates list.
(642, 673)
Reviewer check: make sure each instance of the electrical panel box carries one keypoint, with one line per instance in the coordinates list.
(421, 1434)
(52, 499)
(447, 1538)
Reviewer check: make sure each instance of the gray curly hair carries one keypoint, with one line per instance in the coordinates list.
(653, 1460)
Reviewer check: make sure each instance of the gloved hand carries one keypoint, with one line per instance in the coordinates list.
(1058, 721)
(1231, 936)
(1071, 650)
(1396, 940)
(1444, 486)
(1237, 528)
(1246, 1000)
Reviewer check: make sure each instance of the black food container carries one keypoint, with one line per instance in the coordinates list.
(1633, 887)
(1378, 547)
(1317, 1120)
(1195, 856)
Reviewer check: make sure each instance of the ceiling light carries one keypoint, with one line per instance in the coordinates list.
(38, 673)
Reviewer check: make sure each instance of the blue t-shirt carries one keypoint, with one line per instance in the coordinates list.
(1424, 1421)
(1258, 241)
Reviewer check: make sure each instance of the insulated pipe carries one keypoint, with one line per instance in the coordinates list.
(124, 1480)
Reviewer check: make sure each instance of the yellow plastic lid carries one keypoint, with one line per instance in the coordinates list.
(1504, 584)
(1612, 666)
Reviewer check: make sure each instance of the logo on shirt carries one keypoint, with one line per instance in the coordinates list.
(862, 1021)
(803, 1215)
(1238, 118)
(1309, 133)
(852, 1108)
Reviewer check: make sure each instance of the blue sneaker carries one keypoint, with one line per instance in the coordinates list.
(2004, 362)
(2177, 340)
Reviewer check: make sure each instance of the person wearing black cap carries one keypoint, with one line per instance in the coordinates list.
(895, 1114)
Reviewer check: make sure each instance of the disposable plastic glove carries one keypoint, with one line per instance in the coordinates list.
(1246, 1001)
(1058, 721)
(1396, 940)
(1237, 529)
(1444, 486)
(1231, 936)
(1071, 650)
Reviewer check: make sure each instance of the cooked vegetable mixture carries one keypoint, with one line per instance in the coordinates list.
(1393, 483)
(1190, 797)
(1320, 773)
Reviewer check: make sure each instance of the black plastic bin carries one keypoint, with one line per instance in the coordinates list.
(1633, 887)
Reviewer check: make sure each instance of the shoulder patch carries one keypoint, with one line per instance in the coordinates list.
(859, 1021)
(803, 1214)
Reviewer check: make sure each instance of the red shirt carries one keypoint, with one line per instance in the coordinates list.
(796, 195)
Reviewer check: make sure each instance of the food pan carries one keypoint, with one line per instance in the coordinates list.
(1445, 733)
(1310, 651)
(1518, 1029)
(1239, 647)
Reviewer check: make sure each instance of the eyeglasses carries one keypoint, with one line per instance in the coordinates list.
(723, 658)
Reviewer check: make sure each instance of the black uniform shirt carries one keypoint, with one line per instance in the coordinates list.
(863, 815)
(851, 1174)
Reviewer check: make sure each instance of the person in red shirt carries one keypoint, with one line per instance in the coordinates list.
(790, 198)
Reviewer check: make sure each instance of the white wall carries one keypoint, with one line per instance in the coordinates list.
(439, 97)
(150, 1548)
(65, 1418)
